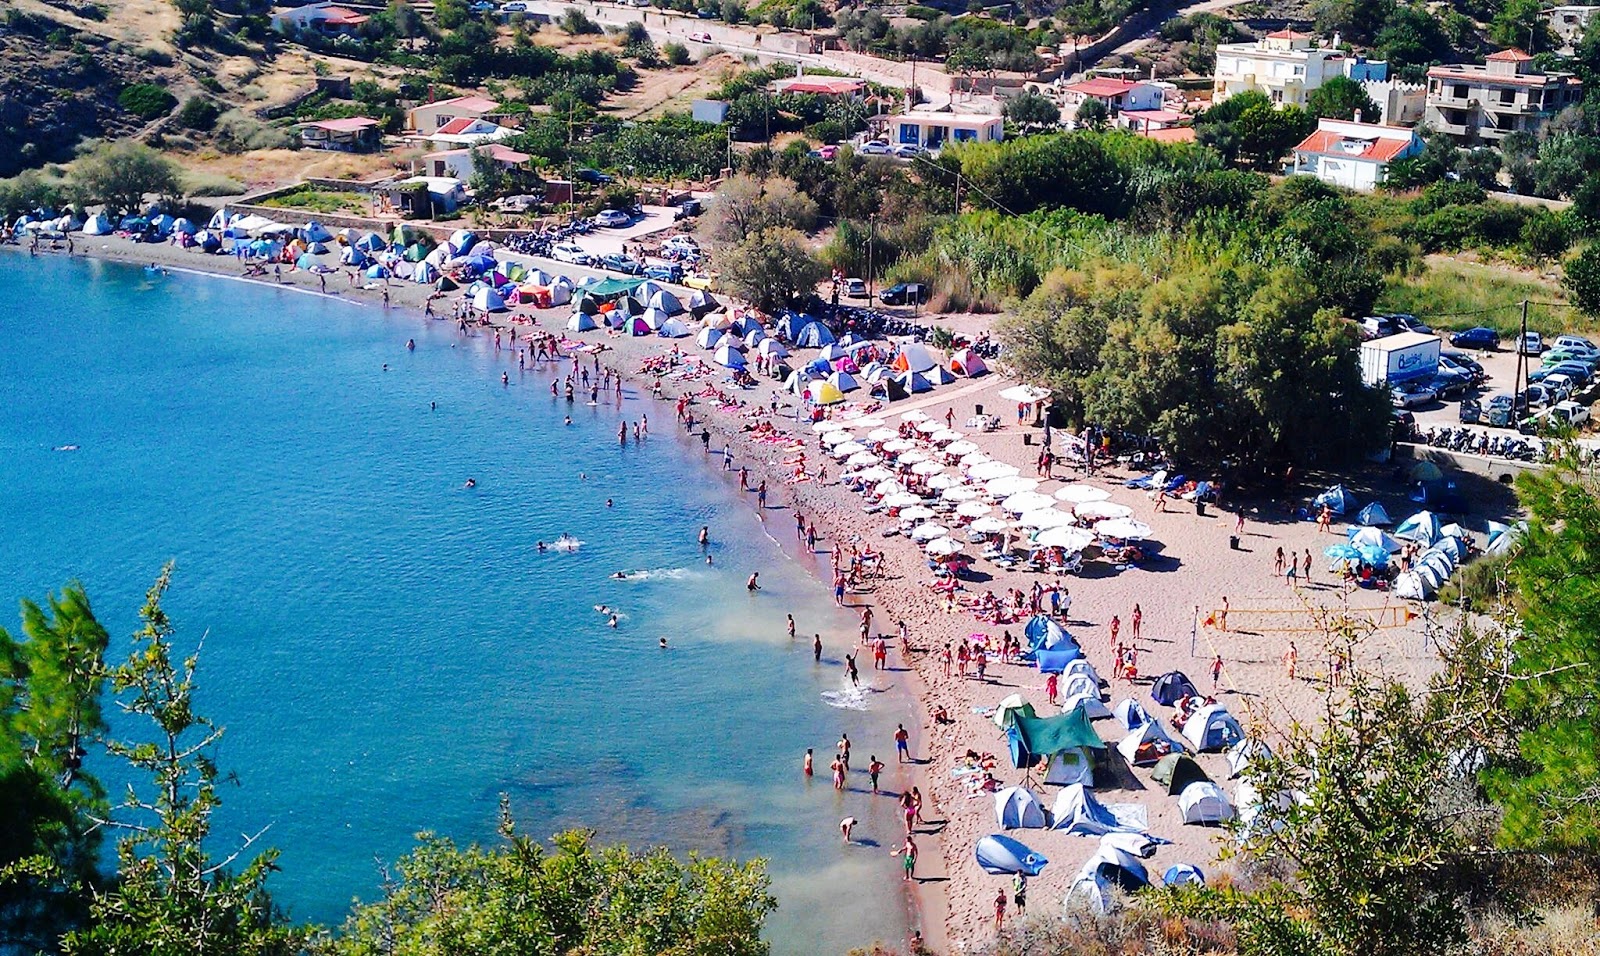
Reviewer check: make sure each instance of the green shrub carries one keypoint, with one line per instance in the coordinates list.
(676, 54)
(198, 113)
(146, 100)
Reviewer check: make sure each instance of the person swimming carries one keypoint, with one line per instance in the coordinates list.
(620, 576)
(613, 622)
(662, 643)
(471, 483)
(543, 547)
(411, 345)
(568, 421)
(608, 502)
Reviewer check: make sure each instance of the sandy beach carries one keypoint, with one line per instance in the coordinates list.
(1196, 569)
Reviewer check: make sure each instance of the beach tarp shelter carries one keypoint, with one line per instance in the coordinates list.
(1336, 499)
(1069, 767)
(1056, 661)
(581, 322)
(1000, 855)
(673, 329)
(1176, 771)
(1078, 812)
(1212, 728)
(1007, 711)
(729, 357)
(814, 335)
(1148, 744)
(1169, 687)
(1244, 753)
(1373, 516)
(843, 381)
(1129, 714)
(967, 362)
(1183, 874)
(913, 358)
(1032, 738)
(488, 300)
(1110, 870)
(1421, 528)
(611, 288)
(1018, 808)
(1091, 704)
(708, 338)
(1204, 802)
(666, 302)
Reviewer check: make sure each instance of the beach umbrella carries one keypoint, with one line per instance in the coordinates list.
(901, 499)
(943, 547)
(1071, 539)
(1007, 485)
(1025, 501)
(962, 447)
(915, 415)
(1374, 555)
(911, 456)
(959, 493)
(1092, 510)
(929, 531)
(972, 509)
(974, 458)
(988, 525)
(889, 487)
(862, 459)
(837, 436)
(926, 468)
(989, 470)
(1122, 528)
(1081, 494)
(847, 449)
(829, 425)
(1344, 552)
(883, 434)
(945, 436)
(928, 426)
(896, 445)
(876, 474)
(941, 482)
(1044, 518)
(916, 513)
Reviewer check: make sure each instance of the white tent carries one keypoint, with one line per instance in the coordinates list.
(488, 300)
(653, 318)
(1070, 767)
(1212, 728)
(1109, 870)
(673, 329)
(1204, 802)
(1078, 811)
(1148, 744)
(1075, 684)
(708, 338)
(1081, 667)
(1129, 714)
(560, 291)
(1093, 707)
(914, 358)
(666, 302)
(772, 348)
(581, 322)
(729, 357)
(1018, 807)
(98, 225)
(1244, 753)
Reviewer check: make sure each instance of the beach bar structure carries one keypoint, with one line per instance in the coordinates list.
(931, 129)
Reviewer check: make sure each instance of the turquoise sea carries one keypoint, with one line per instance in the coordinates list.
(387, 649)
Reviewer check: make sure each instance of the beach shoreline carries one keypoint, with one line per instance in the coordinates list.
(952, 902)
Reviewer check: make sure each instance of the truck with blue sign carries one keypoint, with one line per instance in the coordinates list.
(1394, 359)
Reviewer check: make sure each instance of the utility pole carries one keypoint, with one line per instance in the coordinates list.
(957, 210)
(1520, 384)
(872, 228)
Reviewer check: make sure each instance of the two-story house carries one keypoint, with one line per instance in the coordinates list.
(1284, 65)
(1473, 102)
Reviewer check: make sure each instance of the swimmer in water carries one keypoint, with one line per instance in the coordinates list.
(411, 345)
(471, 483)
(386, 366)
(433, 406)
(663, 643)
(608, 502)
(613, 622)
(568, 421)
(705, 535)
(708, 559)
(602, 608)
(543, 547)
(620, 576)
(505, 379)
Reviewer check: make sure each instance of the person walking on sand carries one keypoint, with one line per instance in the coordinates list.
(1216, 671)
(1051, 686)
(1116, 625)
(1291, 576)
(1222, 615)
(874, 767)
(948, 659)
(1307, 573)
(908, 809)
(1277, 563)
(761, 495)
(1325, 520)
(806, 764)
(1136, 620)
(1238, 527)
(1019, 894)
(916, 805)
(908, 858)
(1291, 659)
(902, 744)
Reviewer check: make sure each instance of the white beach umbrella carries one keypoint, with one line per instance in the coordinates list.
(987, 470)
(876, 475)
(1072, 539)
(1009, 485)
(926, 468)
(1044, 518)
(1025, 501)
(846, 449)
(972, 509)
(941, 482)
(1122, 528)
(883, 434)
(901, 499)
(829, 425)
(1096, 510)
(862, 459)
(945, 436)
(974, 458)
(837, 437)
(916, 513)
(889, 486)
(866, 421)
(1081, 494)
(911, 457)
(929, 531)
(928, 426)
(959, 493)
(943, 547)
(962, 447)
(988, 525)
(898, 445)
(915, 415)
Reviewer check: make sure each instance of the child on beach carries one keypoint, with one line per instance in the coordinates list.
(806, 764)
(874, 767)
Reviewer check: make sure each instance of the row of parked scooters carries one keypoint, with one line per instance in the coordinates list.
(1475, 442)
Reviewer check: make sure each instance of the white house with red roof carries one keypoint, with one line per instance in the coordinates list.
(1354, 155)
(1117, 95)
(326, 18)
(429, 118)
(457, 163)
(466, 131)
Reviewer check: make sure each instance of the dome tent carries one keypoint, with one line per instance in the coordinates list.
(98, 225)
(1109, 871)
(843, 381)
(1373, 516)
(666, 302)
(1183, 874)
(1093, 707)
(673, 329)
(1203, 802)
(1148, 744)
(488, 300)
(915, 382)
(729, 357)
(315, 232)
(824, 393)
(701, 302)
(1421, 528)
(1336, 499)
(1018, 808)
(708, 338)
(1079, 812)
(1002, 856)
(814, 336)
(1245, 752)
(1007, 711)
(1212, 728)
(1170, 686)
(1129, 714)
(969, 363)
(913, 358)
(653, 318)
(1070, 767)
(772, 348)
(581, 322)
(1176, 771)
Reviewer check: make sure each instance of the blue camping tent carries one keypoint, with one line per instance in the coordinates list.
(1373, 516)
(306, 261)
(1055, 661)
(1180, 874)
(1042, 632)
(1003, 856)
(814, 336)
(372, 242)
(377, 271)
(790, 324)
(1422, 528)
(1171, 686)
(463, 240)
(1337, 499)
(316, 233)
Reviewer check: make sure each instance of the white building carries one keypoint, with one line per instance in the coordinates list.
(1286, 66)
(1117, 95)
(466, 131)
(325, 18)
(1568, 24)
(1399, 103)
(1354, 155)
(457, 163)
(429, 117)
(933, 128)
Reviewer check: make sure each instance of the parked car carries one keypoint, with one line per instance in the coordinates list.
(702, 280)
(1378, 326)
(826, 153)
(1403, 426)
(1559, 385)
(1536, 396)
(623, 264)
(1412, 395)
(1471, 412)
(1478, 338)
(482, 6)
(707, 14)
(904, 293)
(700, 36)
(681, 244)
(572, 253)
(1465, 362)
(873, 147)
(1449, 383)
(1531, 343)
(612, 218)
(908, 151)
(1574, 341)
(1569, 354)
(1408, 323)
(688, 209)
(1579, 373)
(1569, 414)
(1498, 411)
(671, 272)
(593, 177)
(855, 288)
(515, 6)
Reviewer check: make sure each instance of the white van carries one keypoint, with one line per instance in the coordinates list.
(1531, 343)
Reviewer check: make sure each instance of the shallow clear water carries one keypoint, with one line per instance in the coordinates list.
(387, 649)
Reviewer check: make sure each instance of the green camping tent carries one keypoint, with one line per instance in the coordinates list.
(1176, 771)
(1045, 736)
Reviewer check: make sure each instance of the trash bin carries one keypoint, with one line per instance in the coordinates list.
(1027, 438)
(1233, 542)
(1199, 507)
(977, 409)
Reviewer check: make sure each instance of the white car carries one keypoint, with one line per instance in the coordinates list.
(614, 218)
(681, 244)
(571, 253)
(1571, 414)
(873, 147)
(700, 37)
(1577, 342)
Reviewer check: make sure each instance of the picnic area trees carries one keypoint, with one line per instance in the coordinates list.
(769, 267)
(122, 173)
(746, 205)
